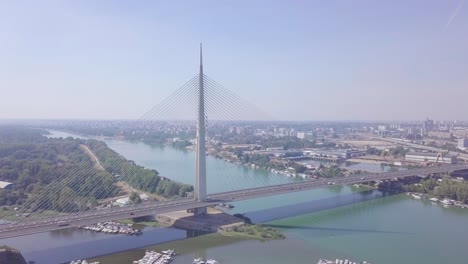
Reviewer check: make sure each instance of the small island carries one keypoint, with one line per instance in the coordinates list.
(258, 232)
(249, 230)
(217, 221)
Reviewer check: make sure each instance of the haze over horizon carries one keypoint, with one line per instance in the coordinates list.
(312, 60)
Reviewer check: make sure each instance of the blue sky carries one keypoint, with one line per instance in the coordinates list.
(299, 60)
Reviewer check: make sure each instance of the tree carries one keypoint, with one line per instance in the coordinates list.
(135, 198)
(429, 185)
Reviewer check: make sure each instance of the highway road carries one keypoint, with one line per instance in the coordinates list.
(30, 226)
(462, 156)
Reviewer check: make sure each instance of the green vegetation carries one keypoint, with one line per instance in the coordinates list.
(451, 147)
(244, 218)
(137, 176)
(446, 189)
(129, 133)
(287, 142)
(254, 232)
(263, 161)
(251, 231)
(293, 143)
(446, 146)
(48, 172)
(358, 173)
(298, 168)
(135, 198)
(398, 151)
(143, 220)
(257, 159)
(157, 138)
(330, 172)
(181, 144)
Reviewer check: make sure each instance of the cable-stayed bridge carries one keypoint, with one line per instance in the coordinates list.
(89, 217)
(208, 105)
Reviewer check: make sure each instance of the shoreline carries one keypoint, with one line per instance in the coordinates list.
(444, 202)
(210, 240)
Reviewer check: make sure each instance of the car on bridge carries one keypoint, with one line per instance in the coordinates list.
(62, 223)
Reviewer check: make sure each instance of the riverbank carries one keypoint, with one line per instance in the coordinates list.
(10, 255)
(444, 189)
(444, 201)
(151, 223)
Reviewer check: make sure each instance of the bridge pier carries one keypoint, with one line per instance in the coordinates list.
(198, 211)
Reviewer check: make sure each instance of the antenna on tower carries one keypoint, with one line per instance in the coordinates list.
(201, 58)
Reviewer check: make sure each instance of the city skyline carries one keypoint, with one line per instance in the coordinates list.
(308, 61)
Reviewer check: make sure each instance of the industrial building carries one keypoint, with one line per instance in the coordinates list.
(305, 135)
(428, 125)
(440, 134)
(429, 157)
(6, 185)
(463, 143)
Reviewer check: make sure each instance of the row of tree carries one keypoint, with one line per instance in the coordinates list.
(137, 176)
(398, 151)
(48, 172)
(447, 188)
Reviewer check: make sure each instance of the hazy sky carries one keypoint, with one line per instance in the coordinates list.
(302, 60)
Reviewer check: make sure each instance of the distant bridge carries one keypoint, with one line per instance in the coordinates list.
(150, 208)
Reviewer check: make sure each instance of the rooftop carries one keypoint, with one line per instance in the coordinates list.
(4, 184)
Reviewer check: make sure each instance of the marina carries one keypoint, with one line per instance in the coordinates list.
(203, 261)
(82, 262)
(153, 257)
(340, 261)
(111, 228)
(445, 202)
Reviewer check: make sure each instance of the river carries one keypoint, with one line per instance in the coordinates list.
(335, 222)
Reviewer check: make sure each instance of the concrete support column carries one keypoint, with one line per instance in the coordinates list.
(200, 174)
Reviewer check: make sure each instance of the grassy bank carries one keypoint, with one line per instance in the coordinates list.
(258, 232)
(144, 223)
